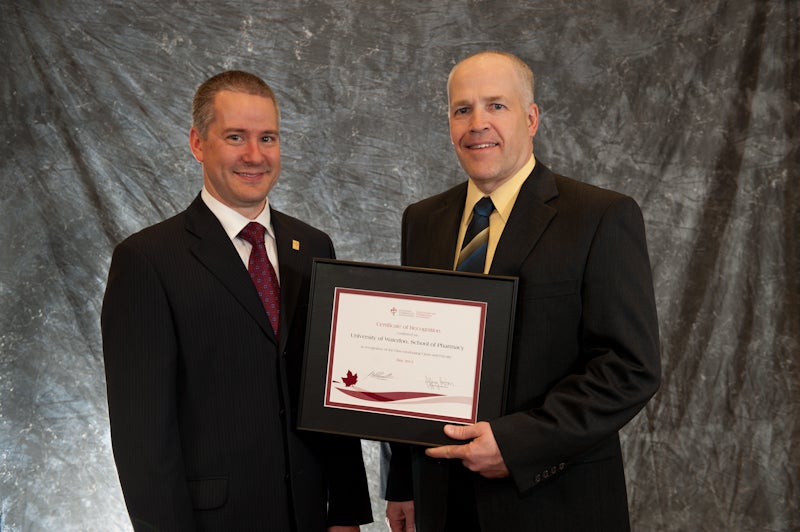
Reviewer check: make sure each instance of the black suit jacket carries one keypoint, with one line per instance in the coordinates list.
(202, 397)
(585, 355)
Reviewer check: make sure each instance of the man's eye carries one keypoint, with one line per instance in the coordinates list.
(234, 138)
(268, 139)
(498, 106)
(461, 111)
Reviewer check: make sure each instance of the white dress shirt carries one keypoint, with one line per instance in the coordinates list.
(233, 223)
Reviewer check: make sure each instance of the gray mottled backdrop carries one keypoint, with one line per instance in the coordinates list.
(690, 107)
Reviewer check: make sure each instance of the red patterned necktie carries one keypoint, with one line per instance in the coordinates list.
(262, 273)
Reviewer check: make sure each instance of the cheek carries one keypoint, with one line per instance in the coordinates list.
(216, 156)
(454, 132)
(273, 157)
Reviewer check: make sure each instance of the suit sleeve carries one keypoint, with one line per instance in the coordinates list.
(140, 354)
(348, 492)
(619, 361)
(396, 479)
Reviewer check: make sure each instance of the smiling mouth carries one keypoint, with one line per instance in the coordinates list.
(482, 146)
(250, 174)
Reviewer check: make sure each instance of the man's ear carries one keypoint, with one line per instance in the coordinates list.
(196, 144)
(533, 119)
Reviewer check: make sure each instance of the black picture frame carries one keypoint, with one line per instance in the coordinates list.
(497, 292)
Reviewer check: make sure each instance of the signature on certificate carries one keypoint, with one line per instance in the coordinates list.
(438, 383)
(381, 375)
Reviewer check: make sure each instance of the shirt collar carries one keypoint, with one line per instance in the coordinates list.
(504, 196)
(233, 222)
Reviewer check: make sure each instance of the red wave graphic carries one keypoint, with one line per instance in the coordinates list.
(388, 396)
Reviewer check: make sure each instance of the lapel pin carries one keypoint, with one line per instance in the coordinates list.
(296, 245)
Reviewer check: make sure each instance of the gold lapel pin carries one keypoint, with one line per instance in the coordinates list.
(296, 245)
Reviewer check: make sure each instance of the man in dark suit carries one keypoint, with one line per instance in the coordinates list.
(585, 353)
(202, 385)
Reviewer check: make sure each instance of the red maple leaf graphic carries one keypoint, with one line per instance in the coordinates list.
(351, 378)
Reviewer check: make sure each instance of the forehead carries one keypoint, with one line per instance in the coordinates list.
(484, 76)
(232, 108)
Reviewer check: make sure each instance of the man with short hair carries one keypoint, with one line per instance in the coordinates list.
(585, 349)
(203, 327)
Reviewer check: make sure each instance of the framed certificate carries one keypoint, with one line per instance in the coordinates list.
(393, 353)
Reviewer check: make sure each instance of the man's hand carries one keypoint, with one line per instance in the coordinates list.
(400, 516)
(481, 455)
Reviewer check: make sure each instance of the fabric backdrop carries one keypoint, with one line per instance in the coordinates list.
(690, 107)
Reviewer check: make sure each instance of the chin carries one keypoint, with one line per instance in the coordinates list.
(481, 174)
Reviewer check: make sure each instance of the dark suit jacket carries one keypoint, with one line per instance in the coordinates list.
(585, 355)
(202, 397)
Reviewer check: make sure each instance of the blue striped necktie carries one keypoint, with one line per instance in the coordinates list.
(473, 252)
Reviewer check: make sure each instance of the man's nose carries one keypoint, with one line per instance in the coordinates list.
(478, 120)
(252, 152)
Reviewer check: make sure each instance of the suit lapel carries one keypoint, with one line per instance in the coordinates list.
(529, 218)
(289, 260)
(444, 223)
(216, 252)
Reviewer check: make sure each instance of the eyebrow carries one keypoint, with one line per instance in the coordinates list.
(490, 99)
(244, 130)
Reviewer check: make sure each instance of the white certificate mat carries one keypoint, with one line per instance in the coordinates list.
(404, 355)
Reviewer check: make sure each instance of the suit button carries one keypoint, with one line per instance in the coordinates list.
(282, 412)
(561, 466)
(538, 478)
(546, 474)
(553, 470)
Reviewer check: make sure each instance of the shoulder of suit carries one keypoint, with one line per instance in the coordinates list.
(456, 194)
(569, 187)
(160, 231)
(280, 219)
